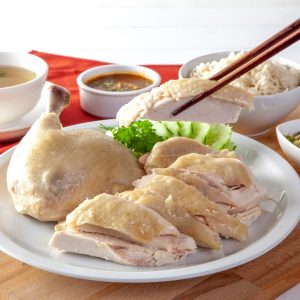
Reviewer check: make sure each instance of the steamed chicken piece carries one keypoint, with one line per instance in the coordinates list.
(194, 202)
(229, 171)
(225, 180)
(122, 231)
(52, 171)
(111, 248)
(176, 215)
(224, 106)
(227, 174)
(213, 190)
(165, 153)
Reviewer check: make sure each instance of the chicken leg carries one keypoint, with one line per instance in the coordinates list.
(52, 171)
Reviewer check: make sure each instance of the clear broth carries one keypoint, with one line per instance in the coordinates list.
(11, 75)
(119, 82)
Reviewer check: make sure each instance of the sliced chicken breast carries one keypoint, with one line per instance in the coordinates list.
(249, 216)
(195, 203)
(236, 198)
(229, 171)
(233, 187)
(115, 249)
(165, 153)
(177, 216)
(224, 106)
(123, 226)
(125, 219)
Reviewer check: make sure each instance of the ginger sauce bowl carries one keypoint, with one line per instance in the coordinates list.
(104, 89)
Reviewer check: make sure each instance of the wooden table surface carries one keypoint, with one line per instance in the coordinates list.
(263, 278)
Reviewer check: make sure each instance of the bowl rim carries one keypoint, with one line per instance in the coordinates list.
(27, 83)
(227, 52)
(133, 68)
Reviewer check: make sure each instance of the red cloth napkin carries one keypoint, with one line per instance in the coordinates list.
(63, 70)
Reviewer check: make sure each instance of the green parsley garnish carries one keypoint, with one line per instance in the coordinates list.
(139, 137)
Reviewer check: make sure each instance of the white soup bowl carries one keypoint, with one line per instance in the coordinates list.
(17, 100)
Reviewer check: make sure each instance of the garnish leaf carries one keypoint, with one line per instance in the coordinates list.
(141, 136)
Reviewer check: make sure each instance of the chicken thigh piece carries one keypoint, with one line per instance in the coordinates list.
(193, 201)
(224, 106)
(52, 171)
(122, 231)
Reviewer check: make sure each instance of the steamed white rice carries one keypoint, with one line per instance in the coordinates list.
(268, 78)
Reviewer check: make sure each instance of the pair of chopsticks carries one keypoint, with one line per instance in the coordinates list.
(276, 43)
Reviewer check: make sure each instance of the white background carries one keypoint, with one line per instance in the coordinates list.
(141, 32)
(133, 31)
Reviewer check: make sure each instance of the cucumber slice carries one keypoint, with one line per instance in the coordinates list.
(218, 135)
(200, 131)
(173, 127)
(185, 129)
(161, 129)
(229, 145)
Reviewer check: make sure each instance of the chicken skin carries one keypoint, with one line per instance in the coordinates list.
(224, 106)
(194, 202)
(225, 180)
(52, 171)
(122, 231)
(176, 215)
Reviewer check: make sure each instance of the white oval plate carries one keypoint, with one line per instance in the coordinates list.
(27, 239)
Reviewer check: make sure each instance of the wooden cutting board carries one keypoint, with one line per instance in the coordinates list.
(263, 278)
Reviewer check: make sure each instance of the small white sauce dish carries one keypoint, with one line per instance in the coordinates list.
(106, 104)
(17, 100)
(268, 110)
(288, 148)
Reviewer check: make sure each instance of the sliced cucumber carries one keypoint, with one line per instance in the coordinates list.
(218, 135)
(185, 129)
(229, 145)
(173, 127)
(200, 131)
(161, 129)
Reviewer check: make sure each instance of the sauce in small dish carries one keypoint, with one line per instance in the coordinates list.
(104, 89)
(118, 82)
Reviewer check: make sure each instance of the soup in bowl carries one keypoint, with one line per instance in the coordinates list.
(11, 75)
(22, 77)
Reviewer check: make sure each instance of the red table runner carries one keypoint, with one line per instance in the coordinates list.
(63, 70)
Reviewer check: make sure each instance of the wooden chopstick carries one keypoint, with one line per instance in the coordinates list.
(290, 38)
(258, 49)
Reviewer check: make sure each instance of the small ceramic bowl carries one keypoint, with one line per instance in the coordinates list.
(17, 100)
(268, 110)
(289, 149)
(106, 104)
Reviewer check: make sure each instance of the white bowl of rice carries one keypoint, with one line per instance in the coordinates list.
(275, 85)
